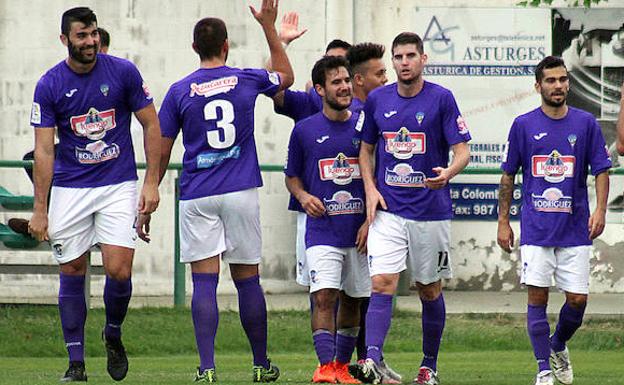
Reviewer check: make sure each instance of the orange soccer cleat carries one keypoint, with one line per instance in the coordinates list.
(324, 374)
(342, 374)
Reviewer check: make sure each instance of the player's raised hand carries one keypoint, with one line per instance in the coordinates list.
(267, 14)
(439, 181)
(361, 238)
(149, 199)
(38, 226)
(289, 29)
(373, 199)
(596, 224)
(143, 226)
(505, 236)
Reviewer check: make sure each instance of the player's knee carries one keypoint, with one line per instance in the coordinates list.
(577, 302)
(325, 300)
(120, 273)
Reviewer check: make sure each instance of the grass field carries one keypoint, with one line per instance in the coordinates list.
(476, 350)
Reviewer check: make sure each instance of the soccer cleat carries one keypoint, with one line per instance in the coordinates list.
(117, 361)
(342, 374)
(369, 372)
(262, 374)
(207, 376)
(389, 376)
(75, 373)
(324, 374)
(562, 367)
(544, 377)
(355, 369)
(426, 376)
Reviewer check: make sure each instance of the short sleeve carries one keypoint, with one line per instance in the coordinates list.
(599, 159)
(298, 105)
(169, 116)
(267, 82)
(370, 130)
(42, 113)
(138, 93)
(295, 158)
(455, 128)
(512, 157)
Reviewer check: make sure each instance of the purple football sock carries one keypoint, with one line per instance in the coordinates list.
(73, 311)
(253, 316)
(570, 319)
(433, 318)
(324, 345)
(205, 316)
(345, 344)
(378, 320)
(538, 329)
(361, 342)
(116, 298)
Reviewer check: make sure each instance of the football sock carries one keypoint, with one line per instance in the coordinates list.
(378, 320)
(361, 341)
(253, 316)
(433, 318)
(205, 316)
(324, 345)
(570, 319)
(345, 344)
(116, 298)
(538, 329)
(73, 311)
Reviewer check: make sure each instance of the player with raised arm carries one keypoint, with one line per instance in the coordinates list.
(322, 173)
(219, 203)
(88, 99)
(409, 182)
(555, 145)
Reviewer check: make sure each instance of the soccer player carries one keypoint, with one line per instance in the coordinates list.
(322, 173)
(219, 203)
(104, 40)
(410, 184)
(94, 193)
(554, 145)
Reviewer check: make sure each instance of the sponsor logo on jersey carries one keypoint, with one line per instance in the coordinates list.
(552, 200)
(71, 92)
(322, 139)
(146, 91)
(214, 87)
(403, 144)
(403, 175)
(461, 125)
(390, 114)
(554, 168)
(342, 202)
(35, 113)
(97, 152)
(420, 116)
(211, 159)
(341, 170)
(540, 135)
(104, 88)
(505, 151)
(360, 122)
(93, 124)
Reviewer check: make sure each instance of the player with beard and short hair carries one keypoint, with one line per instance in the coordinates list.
(410, 183)
(89, 99)
(323, 175)
(555, 145)
(219, 203)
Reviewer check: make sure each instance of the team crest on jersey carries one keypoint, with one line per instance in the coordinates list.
(420, 116)
(572, 140)
(94, 123)
(461, 125)
(214, 87)
(404, 144)
(552, 200)
(403, 175)
(341, 170)
(342, 202)
(554, 168)
(104, 88)
(97, 152)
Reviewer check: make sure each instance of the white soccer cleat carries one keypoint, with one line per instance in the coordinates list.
(426, 376)
(389, 376)
(370, 372)
(545, 377)
(562, 367)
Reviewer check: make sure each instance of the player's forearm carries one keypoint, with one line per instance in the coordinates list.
(166, 145)
(278, 59)
(461, 158)
(366, 165)
(294, 185)
(43, 169)
(151, 142)
(602, 191)
(505, 191)
(620, 126)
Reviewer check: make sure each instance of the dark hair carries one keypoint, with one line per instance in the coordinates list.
(408, 38)
(547, 63)
(104, 37)
(327, 63)
(81, 14)
(363, 52)
(337, 43)
(209, 35)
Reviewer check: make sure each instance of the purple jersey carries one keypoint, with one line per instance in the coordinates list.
(555, 155)
(92, 114)
(413, 135)
(214, 107)
(324, 155)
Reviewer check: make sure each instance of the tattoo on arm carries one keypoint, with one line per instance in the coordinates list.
(505, 192)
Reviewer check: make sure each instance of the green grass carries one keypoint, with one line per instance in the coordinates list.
(477, 349)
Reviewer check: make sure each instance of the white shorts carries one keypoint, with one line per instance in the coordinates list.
(82, 217)
(338, 268)
(227, 224)
(568, 265)
(303, 273)
(392, 239)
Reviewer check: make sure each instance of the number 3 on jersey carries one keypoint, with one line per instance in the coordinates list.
(224, 124)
